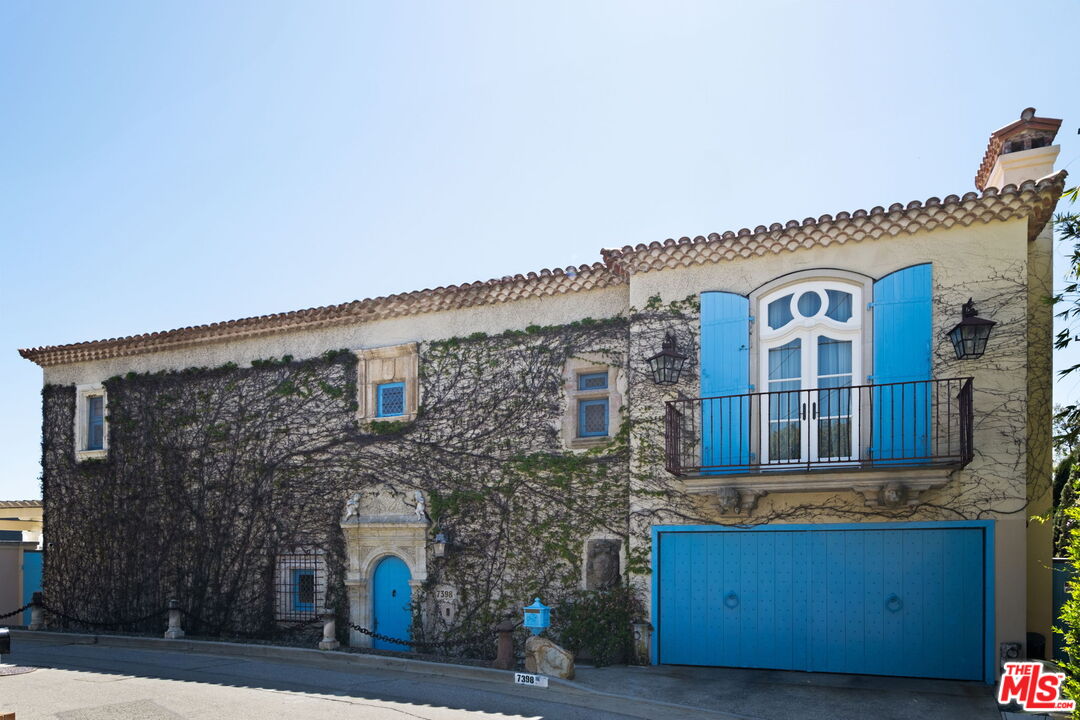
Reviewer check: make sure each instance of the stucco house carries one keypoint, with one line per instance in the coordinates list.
(20, 556)
(797, 442)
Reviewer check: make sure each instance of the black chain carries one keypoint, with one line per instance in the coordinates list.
(441, 644)
(219, 628)
(27, 606)
(95, 623)
(371, 633)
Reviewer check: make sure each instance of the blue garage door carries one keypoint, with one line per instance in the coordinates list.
(873, 601)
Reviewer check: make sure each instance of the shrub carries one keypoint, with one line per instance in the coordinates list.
(1069, 621)
(598, 622)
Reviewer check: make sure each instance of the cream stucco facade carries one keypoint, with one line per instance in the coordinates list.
(996, 246)
(23, 517)
(999, 257)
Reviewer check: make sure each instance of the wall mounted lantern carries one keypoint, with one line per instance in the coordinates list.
(667, 364)
(971, 333)
(438, 547)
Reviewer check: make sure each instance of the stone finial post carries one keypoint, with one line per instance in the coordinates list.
(504, 658)
(174, 631)
(329, 631)
(642, 640)
(37, 612)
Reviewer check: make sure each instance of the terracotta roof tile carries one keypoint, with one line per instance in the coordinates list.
(506, 289)
(1035, 200)
(1032, 199)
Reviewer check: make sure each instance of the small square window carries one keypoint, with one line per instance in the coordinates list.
(95, 423)
(593, 418)
(303, 584)
(592, 381)
(391, 399)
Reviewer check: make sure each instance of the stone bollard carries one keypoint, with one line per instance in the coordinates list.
(329, 631)
(174, 632)
(504, 658)
(37, 613)
(642, 640)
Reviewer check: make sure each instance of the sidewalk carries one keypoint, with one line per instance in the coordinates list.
(645, 692)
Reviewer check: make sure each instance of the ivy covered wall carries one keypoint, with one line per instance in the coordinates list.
(213, 472)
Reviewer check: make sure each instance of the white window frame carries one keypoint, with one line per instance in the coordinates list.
(82, 422)
(808, 329)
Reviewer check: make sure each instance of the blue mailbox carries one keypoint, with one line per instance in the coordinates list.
(537, 616)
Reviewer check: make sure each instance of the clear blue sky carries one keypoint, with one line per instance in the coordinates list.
(172, 163)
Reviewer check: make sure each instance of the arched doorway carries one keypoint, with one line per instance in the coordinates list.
(390, 598)
(379, 523)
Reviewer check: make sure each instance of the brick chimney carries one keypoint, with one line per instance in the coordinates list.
(1020, 151)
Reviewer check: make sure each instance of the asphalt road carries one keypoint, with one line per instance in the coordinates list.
(94, 682)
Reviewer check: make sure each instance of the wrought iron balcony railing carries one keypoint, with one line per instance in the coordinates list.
(907, 424)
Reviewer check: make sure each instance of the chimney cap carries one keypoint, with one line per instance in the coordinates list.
(1044, 129)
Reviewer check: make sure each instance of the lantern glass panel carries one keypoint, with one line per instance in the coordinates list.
(667, 364)
(969, 339)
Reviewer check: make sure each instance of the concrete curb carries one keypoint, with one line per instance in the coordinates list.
(325, 659)
(571, 693)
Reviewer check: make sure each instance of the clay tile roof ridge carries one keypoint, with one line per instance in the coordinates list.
(614, 255)
(612, 270)
(409, 302)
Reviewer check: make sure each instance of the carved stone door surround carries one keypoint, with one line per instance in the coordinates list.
(378, 522)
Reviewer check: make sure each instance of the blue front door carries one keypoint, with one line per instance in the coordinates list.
(391, 596)
(31, 572)
(895, 601)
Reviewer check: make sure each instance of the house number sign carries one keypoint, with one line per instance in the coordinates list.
(445, 594)
(530, 679)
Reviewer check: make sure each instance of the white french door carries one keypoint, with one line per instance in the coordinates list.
(808, 369)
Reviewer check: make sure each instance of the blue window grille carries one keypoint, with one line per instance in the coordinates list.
(592, 381)
(303, 596)
(391, 397)
(95, 425)
(593, 417)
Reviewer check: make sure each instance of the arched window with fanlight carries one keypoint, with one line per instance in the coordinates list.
(821, 367)
(809, 356)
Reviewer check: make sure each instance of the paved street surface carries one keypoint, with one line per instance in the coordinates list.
(93, 682)
(782, 695)
(81, 681)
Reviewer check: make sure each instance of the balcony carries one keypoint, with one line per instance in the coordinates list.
(908, 426)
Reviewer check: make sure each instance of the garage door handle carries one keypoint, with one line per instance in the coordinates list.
(893, 603)
(731, 600)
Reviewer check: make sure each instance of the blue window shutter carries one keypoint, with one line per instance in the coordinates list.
(725, 371)
(903, 325)
(903, 328)
(725, 344)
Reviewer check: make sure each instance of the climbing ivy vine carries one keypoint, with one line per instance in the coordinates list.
(212, 473)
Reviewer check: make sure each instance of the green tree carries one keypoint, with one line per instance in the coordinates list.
(1067, 227)
(1067, 473)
